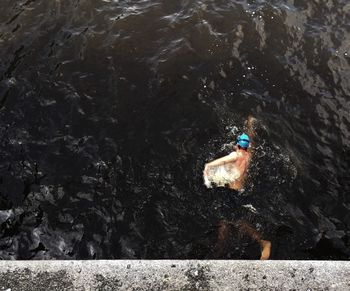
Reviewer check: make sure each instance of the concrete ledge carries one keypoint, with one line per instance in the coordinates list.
(174, 275)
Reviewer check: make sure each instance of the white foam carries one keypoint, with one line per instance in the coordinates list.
(220, 176)
(251, 208)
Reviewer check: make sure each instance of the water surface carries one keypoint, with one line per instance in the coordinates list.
(109, 110)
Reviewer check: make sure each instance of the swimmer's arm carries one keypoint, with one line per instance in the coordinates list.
(222, 161)
(251, 131)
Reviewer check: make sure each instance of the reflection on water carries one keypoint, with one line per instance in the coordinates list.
(109, 110)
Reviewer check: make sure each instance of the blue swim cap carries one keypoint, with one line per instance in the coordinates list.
(243, 141)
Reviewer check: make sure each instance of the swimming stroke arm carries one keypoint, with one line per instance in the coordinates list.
(222, 161)
(251, 131)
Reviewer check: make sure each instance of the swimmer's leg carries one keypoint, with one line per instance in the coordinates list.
(265, 245)
(221, 243)
(244, 228)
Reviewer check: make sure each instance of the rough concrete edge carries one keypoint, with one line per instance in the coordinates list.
(174, 275)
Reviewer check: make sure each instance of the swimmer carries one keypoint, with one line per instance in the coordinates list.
(231, 171)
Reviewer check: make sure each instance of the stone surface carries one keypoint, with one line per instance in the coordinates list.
(174, 275)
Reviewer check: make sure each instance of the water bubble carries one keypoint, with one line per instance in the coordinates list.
(212, 85)
(12, 81)
(222, 73)
(250, 207)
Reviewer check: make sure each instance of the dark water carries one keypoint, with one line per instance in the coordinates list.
(109, 110)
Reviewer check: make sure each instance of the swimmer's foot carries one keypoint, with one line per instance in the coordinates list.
(265, 249)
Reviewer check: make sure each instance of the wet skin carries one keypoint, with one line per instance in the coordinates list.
(241, 164)
(240, 161)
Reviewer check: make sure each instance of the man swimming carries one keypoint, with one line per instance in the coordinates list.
(230, 171)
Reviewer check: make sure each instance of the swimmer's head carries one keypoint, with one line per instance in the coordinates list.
(243, 141)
